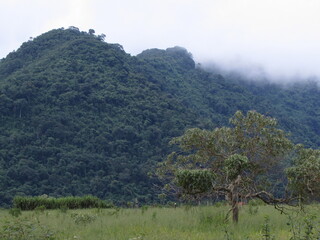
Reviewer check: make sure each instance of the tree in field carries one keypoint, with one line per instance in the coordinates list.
(304, 175)
(238, 162)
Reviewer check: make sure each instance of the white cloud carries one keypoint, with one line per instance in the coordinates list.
(281, 35)
(21, 19)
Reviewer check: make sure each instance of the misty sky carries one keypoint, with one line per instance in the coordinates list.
(281, 36)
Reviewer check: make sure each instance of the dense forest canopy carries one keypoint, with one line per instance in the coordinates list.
(81, 116)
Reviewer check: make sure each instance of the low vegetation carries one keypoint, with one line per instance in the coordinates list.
(45, 202)
(257, 222)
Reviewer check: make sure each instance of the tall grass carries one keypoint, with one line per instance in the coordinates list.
(31, 203)
(181, 223)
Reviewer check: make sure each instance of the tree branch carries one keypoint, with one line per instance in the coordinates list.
(268, 198)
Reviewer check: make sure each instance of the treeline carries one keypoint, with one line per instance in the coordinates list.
(80, 116)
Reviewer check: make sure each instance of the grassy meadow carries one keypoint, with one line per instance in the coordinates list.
(150, 223)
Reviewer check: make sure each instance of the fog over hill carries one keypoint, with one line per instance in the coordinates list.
(256, 73)
(281, 37)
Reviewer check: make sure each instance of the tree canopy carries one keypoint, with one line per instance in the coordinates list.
(78, 115)
(304, 174)
(240, 162)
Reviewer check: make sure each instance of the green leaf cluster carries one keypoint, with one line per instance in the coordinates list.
(32, 203)
(78, 115)
(304, 174)
(195, 181)
(235, 164)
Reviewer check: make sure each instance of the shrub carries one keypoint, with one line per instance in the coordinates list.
(22, 229)
(83, 218)
(15, 212)
(40, 209)
(31, 203)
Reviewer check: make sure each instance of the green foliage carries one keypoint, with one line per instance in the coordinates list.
(241, 162)
(83, 218)
(15, 212)
(198, 223)
(80, 116)
(210, 218)
(241, 155)
(40, 209)
(303, 227)
(221, 203)
(24, 229)
(253, 210)
(144, 209)
(256, 202)
(309, 233)
(64, 209)
(195, 181)
(235, 164)
(304, 175)
(254, 205)
(266, 231)
(42, 203)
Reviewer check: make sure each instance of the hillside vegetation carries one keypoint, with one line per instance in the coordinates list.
(81, 116)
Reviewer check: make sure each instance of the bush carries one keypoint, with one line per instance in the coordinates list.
(31, 203)
(23, 229)
(83, 218)
(15, 212)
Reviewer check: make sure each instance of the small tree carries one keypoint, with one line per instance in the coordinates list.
(304, 175)
(235, 162)
(91, 31)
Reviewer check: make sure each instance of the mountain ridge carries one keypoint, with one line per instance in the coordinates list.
(81, 116)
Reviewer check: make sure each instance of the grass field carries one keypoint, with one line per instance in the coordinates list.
(148, 223)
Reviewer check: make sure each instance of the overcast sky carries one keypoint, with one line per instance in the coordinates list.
(282, 36)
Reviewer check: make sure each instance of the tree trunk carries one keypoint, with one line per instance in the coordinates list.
(235, 212)
(234, 198)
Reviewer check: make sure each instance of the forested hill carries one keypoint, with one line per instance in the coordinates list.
(80, 116)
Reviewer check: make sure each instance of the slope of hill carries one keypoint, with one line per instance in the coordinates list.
(80, 116)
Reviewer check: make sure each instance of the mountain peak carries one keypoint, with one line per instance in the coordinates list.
(56, 42)
(176, 55)
(80, 116)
